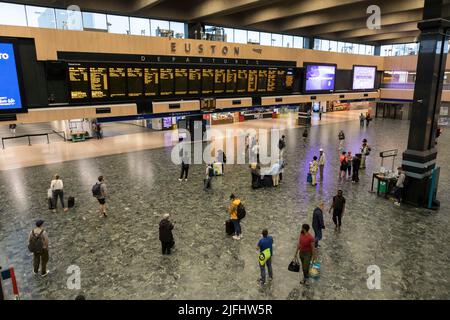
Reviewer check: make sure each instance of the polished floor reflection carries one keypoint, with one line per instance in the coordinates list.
(120, 257)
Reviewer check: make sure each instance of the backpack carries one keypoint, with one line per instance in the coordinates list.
(36, 244)
(97, 190)
(241, 211)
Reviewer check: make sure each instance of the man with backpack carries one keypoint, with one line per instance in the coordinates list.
(237, 212)
(38, 245)
(282, 145)
(338, 207)
(99, 192)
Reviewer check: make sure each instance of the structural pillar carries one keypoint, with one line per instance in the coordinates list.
(420, 158)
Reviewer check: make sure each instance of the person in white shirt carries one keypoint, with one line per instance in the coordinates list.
(313, 168)
(57, 187)
(399, 186)
(321, 163)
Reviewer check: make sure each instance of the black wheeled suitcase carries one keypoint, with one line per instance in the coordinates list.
(70, 202)
(50, 204)
(229, 227)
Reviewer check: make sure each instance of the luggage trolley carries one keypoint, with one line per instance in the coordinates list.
(5, 275)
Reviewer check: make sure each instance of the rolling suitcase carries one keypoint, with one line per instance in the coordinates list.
(50, 204)
(70, 202)
(229, 227)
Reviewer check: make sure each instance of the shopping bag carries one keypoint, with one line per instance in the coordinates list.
(264, 256)
(314, 270)
(309, 178)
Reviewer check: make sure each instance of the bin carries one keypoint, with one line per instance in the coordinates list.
(382, 187)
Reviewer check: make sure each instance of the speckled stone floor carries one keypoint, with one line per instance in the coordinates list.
(120, 257)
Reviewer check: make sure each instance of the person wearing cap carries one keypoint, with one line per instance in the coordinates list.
(38, 234)
(165, 234)
(313, 168)
(321, 163)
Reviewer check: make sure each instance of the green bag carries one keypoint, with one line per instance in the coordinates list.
(264, 256)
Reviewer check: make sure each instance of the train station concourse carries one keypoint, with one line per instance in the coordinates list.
(224, 150)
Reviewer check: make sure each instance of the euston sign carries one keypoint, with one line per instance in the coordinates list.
(204, 49)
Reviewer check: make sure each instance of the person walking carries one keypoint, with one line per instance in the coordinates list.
(12, 128)
(320, 113)
(368, 119)
(282, 146)
(209, 173)
(94, 129)
(365, 151)
(222, 158)
(185, 160)
(318, 223)
(361, 120)
(275, 172)
(305, 136)
(38, 245)
(306, 251)
(313, 168)
(233, 208)
(282, 166)
(99, 191)
(265, 247)
(321, 163)
(356, 162)
(343, 165)
(165, 234)
(341, 137)
(57, 186)
(255, 170)
(349, 164)
(338, 207)
(399, 186)
(99, 130)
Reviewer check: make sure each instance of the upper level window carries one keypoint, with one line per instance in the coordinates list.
(159, 28)
(177, 28)
(266, 39)
(140, 26)
(118, 24)
(68, 19)
(277, 40)
(253, 37)
(12, 14)
(333, 46)
(41, 17)
(95, 21)
(240, 36)
(288, 41)
(370, 50)
(298, 42)
(229, 34)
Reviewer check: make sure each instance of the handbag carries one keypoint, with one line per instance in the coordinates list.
(294, 266)
(309, 178)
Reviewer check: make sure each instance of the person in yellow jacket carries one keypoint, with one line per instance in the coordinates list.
(234, 216)
(313, 168)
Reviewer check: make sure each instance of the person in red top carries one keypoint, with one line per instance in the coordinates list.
(305, 249)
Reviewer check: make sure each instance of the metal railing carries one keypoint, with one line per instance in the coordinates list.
(62, 134)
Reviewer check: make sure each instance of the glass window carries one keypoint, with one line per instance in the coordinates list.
(348, 47)
(177, 28)
(229, 34)
(370, 50)
(118, 24)
(333, 46)
(298, 42)
(140, 26)
(362, 49)
(288, 41)
(13, 14)
(411, 48)
(398, 49)
(341, 47)
(94, 21)
(158, 25)
(317, 44)
(325, 45)
(277, 40)
(266, 39)
(386, 50)
(240, 36)
(68, 19)
(41, 17)
(253, 36)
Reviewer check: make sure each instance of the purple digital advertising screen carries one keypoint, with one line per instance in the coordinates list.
(364, 77)
(319, 77)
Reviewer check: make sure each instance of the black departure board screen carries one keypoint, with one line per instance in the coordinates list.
(117, 82)
(99, 82)
(195, 80)
(231, 80)
(242, 78)
(281, 80)
(207, 80)
(166, 81)
(289, 79)
(151, 82)
(181, 80)
(135, 81)
(220, 80)
(262, 80)
(252, 80)
(271, 80)
(79, 82)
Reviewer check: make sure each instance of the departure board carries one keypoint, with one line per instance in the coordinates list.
(195, 80)
(99, 82)
(242, 78)
(117, 82)
(220, 80)
(231, 80)
(281, 80)
(207, 80)
(289, 79)
(181, 80)
(252, 80)
(135, 80)
(151, 82)
(166, 81)
(271, 80)
(262, 80)
(79, 82)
